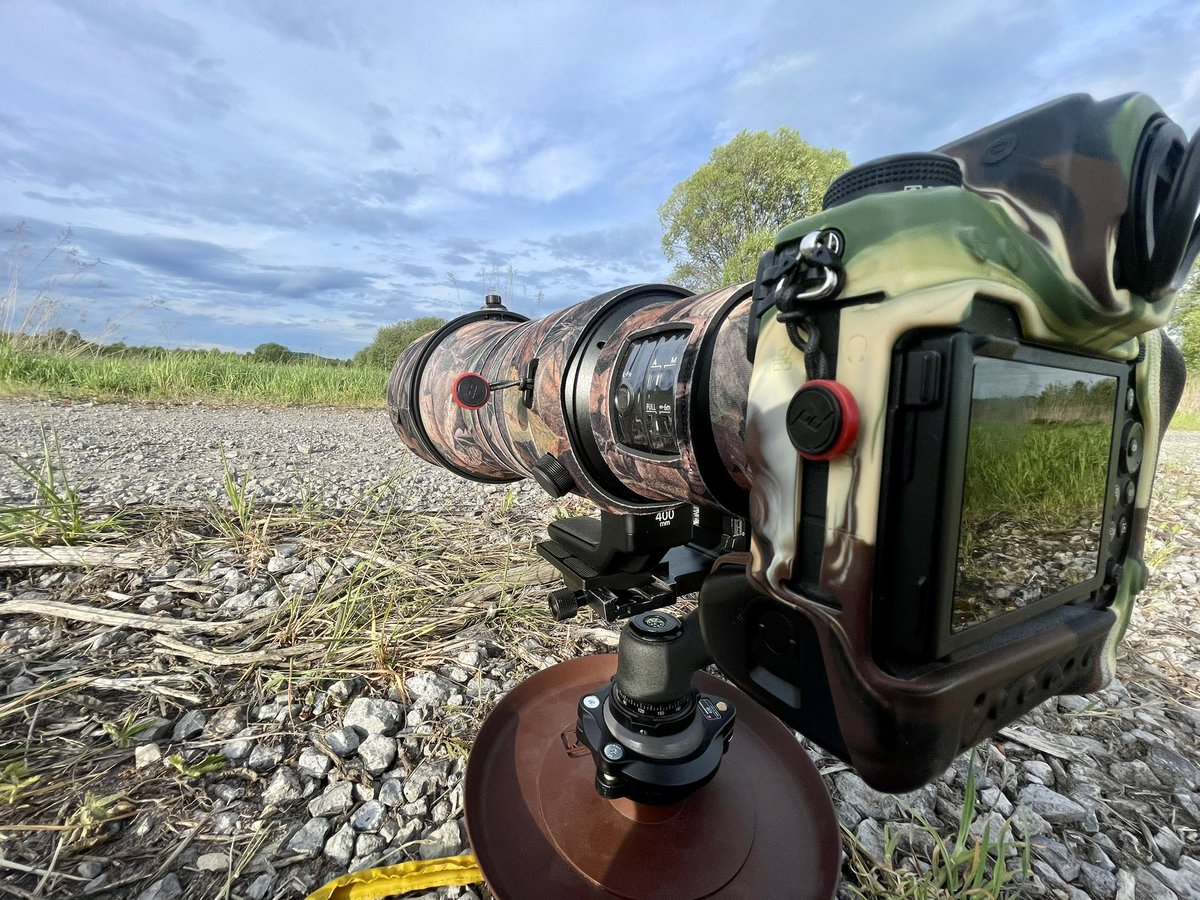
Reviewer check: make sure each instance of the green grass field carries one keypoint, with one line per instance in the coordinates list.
(221, 378)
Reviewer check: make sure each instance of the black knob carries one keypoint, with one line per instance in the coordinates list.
(552, 476)
(822, 419)
(903, 172)
(564, 604)
(493, 301)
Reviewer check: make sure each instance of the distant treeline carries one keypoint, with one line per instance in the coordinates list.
(381, 353)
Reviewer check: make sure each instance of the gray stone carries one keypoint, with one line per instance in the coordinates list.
(260, 888)
(309, 840)
(212, 862)
(391, 792)
(1147, 887)
(418, 809)
(1039, 772)
(89, 868)
(1184, 881)
(227, 721)
(994, 824)
(1169, 845)
(1073, 703)
(1026, 823)
(190, 725)
(428, 689)
(377, 753)
(368, 845)
(225, 822)
(164, 889)
(1100, 883)
(341, 691)
(314, 763)
(867, 801)
(1057, 855)
(1052, 806)
(994, 798)
(146, 755)
(371, 716)
(156, 728)
(1134, 774)
(445, 840)
(870, 835)
(240, 746)
(426, 779)
(284, 787)
(342, 741)
(340, 847)
(264, 757)
(409, 831)
(336, 799)
(369, 816)
(1172, 769)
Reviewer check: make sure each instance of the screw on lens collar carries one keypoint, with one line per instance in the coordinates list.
(822, 420)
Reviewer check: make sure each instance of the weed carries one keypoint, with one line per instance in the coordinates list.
(214, 762)
(14, 779)
(125, 732)
(964, 868)
(58, 515)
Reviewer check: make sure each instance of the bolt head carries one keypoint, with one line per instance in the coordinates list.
(591, 701)
(613, 751)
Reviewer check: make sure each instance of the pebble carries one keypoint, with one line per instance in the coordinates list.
(240, 746)
(190, 725)
(145, 755)
(310, 839)
(264, 757)
(445, 840)
(283, 788)
(336, 799)
(212, 862)
(164, 889)
(369, 816)
(342, 741)
(1052, 806)
(377, 753)
(371, 716)
(314, 763)
(340, 847)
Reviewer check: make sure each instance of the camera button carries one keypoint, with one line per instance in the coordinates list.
(822, 419)
(1132, 447)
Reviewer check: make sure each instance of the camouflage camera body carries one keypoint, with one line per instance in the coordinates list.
(646, 397)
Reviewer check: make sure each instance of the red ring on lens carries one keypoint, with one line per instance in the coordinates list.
(471, 390)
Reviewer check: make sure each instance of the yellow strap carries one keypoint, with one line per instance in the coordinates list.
(386, 881)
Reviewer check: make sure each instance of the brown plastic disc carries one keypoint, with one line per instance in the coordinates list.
(763, 827)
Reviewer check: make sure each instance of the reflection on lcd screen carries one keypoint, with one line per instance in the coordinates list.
(1034, 486)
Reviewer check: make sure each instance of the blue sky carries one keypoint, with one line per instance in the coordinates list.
(306, 172)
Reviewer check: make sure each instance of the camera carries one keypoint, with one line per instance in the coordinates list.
(906, 471)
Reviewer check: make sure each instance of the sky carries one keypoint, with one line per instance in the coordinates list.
(231, 173)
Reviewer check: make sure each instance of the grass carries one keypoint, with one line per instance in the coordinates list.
(1049, 473)
(962, 867)
(187, 376)
(1187, 416)
(57, 514)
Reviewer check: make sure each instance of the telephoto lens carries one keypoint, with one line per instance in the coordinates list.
(635, 399)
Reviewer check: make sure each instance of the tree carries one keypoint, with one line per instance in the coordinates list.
(719, 220)
(1185, 323)
(272, 352)
(392, 339)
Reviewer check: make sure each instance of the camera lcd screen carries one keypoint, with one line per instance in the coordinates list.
(1034, 486)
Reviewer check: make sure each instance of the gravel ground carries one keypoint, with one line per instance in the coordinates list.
(349, 769)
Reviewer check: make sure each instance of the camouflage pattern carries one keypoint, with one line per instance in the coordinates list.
(920, 259)
(504, 439)
(689, 475)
